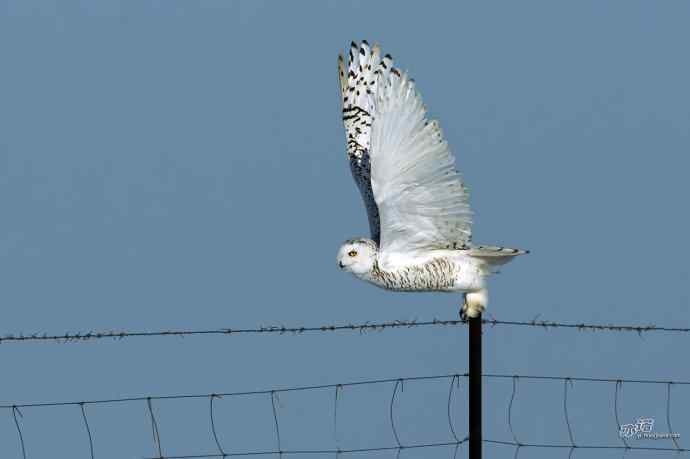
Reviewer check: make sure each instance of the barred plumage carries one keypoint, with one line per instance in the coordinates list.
(439, 274)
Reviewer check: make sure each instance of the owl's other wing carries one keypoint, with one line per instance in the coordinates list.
(421, 198)
(358, 85)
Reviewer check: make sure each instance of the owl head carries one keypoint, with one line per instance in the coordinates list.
(357, 256)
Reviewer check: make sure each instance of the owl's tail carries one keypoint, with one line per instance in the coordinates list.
(358, 83)
(494, 256)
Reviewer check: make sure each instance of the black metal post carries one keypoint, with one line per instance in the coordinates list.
(475, 383)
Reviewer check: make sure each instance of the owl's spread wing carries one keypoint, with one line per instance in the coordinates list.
(358, 85)
(420, 196)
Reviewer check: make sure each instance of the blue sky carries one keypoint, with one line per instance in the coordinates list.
(180, 164)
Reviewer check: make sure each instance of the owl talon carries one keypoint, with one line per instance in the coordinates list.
(467, 312)
(474, 305)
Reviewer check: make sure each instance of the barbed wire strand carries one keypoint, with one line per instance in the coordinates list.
(361, 327)
(15, 410)
(88, 429)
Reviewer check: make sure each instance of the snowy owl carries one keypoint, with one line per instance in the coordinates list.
(417, 204)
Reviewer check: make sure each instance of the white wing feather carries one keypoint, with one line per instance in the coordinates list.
(421, 198)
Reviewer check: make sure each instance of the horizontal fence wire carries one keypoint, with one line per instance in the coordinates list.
(239, 394)
(396, 386)
(317, 451)
(585, 447)
(357, 327)
(342, 385)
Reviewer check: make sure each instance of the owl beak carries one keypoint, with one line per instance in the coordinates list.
(341, 265)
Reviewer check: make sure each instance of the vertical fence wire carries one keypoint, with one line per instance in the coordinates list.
(154, 429)
(213, 426)
(568, 382)
(671, 432)
(15, 410)
(618, 388)
(399, 382)
(274, 395)
(88, 429)
(338, 389)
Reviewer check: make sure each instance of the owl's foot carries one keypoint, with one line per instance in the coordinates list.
(467, 313)
(474, 305)
(463, 313)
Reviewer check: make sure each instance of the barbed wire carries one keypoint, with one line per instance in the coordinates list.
(397, 386)
(359, 327)
(639, 329)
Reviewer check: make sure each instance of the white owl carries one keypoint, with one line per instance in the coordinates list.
(418, 209)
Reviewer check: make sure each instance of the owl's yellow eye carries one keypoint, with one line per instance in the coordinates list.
(352, 253)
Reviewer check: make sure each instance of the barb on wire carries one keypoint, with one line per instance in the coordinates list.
(88, 429)
(213, 425)
(154, 429)
(15, 410)
(361, 327)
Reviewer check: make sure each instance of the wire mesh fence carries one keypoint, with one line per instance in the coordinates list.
(450, 437)
(454, 440)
